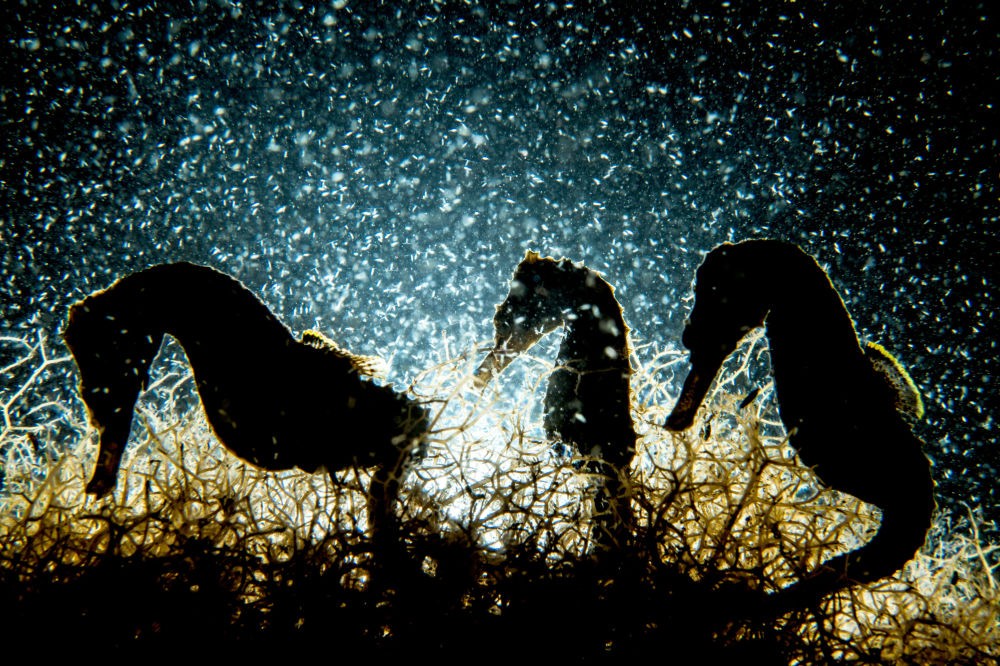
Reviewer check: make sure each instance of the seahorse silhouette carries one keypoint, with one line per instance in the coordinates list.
(587, 402)
(841, 413)
(274, 401)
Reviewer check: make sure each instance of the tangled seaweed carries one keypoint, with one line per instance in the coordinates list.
(195, 544)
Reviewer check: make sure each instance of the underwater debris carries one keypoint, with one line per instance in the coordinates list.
(587, 401)
(750, 397)
(840, 412)
(272, 400)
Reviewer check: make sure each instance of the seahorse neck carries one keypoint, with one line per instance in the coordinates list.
(808, 326)
(207, 312)
(596, 335)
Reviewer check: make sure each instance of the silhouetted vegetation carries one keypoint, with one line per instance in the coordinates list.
(497, 561)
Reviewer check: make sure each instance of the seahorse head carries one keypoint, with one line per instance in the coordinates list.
(730, 300)
(535, 306)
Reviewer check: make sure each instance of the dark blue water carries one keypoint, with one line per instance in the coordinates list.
(377, 170)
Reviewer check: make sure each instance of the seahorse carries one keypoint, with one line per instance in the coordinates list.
(587, 403)
(274, 401)
(841, 412)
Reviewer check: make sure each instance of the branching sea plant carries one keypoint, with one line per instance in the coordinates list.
(195, 543)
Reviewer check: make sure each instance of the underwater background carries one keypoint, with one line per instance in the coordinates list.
(375, 170)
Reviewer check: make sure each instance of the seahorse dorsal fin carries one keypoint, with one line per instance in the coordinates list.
(908, 399)
(373, 366)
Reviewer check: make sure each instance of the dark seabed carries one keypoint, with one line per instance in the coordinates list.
(376, 170)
